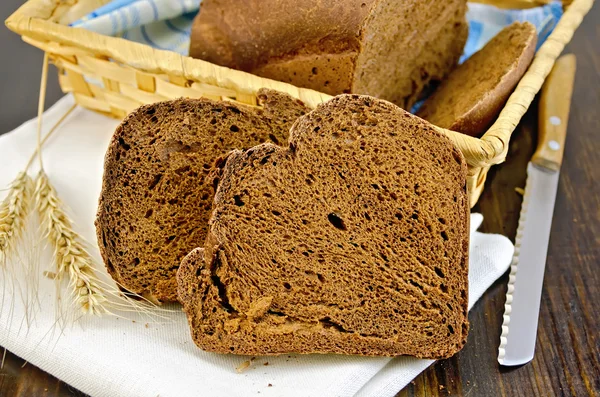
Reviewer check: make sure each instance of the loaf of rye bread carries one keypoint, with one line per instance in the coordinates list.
(473, 95)
(352, 239)
(155, 203)
(384, 48)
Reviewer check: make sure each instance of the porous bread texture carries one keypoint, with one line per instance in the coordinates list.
(353, 239)
(390, 49)
(471, 98)
(155, 202)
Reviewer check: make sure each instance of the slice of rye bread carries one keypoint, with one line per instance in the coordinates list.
(155, 203)
(354, 239)
(471, 98)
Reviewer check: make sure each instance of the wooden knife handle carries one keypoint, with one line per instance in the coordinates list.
(555, 103)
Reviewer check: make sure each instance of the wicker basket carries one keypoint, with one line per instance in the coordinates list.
(133, 74)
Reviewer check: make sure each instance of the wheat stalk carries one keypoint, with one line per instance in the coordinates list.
(13, 213)
(70, 256)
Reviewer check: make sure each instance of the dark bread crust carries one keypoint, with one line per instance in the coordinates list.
(352, 240)
(155, 202)
(473, 95)
(390, 49)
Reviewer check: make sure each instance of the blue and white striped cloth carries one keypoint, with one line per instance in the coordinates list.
(162, 24)
(166, 24)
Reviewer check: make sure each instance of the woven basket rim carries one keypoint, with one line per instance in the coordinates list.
(32, 19)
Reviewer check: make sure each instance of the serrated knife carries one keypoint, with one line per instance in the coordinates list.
(521, 311)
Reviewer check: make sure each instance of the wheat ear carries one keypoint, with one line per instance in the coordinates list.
(70, 256)
(13, 213)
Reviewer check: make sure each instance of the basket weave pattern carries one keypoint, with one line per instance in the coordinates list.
(114, 76)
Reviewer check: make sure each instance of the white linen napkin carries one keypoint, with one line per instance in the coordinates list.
(116, 357)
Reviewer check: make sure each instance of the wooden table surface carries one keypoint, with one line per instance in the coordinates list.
(567, 360)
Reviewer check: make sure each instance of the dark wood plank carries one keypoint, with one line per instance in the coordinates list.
(21, 70)
(567, 361)
(21, 379)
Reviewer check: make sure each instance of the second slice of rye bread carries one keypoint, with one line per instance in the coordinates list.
(156, 200)
(473, 95)
(354, 239)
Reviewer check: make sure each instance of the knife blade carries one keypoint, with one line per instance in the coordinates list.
(522, 307)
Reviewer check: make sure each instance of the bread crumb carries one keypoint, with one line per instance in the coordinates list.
(269, 385)
(266, 363)
(519, 190)
(50, 275)
(244, 365)
(146, 325)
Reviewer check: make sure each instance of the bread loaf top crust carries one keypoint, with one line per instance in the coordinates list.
(391, 49)
(247, 36)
